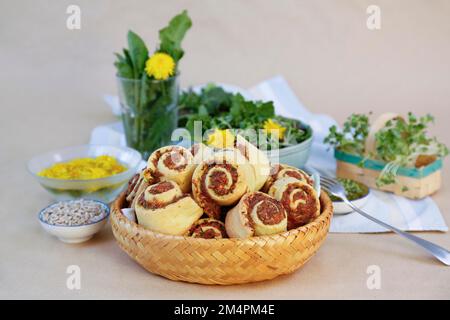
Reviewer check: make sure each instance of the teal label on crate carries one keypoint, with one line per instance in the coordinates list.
(379, 165)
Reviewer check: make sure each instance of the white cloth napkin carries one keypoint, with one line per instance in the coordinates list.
(405, 214)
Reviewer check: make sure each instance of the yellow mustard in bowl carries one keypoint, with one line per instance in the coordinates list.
(84, 168)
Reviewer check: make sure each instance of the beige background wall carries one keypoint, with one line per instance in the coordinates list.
(323, 48)
(52, 80)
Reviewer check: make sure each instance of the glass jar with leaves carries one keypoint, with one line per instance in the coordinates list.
(148, 86)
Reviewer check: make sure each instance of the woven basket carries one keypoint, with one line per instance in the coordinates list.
(221, 261)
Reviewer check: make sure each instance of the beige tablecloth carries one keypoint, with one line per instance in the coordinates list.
(52, 79)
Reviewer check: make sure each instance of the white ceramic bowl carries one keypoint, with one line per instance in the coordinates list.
(341, 208)
(74, 234)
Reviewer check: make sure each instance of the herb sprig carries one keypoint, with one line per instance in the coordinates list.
(402, 142)
(353, 135)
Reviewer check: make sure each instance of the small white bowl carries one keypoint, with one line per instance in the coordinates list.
(340, 207)
(74, 234)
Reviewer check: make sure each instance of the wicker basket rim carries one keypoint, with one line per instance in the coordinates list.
(326, 208)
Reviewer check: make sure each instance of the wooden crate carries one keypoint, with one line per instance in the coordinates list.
(414, 183)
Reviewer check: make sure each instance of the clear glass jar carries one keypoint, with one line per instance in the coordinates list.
(149, 112)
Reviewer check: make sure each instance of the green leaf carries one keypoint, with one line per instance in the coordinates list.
(215, 99)
(124, 68)
(172, 35)
(266, 110)
(202, 111)
(138, 53)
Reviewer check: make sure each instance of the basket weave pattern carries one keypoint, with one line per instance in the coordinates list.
(221, 261)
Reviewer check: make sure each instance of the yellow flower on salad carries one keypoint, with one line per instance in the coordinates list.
(221, 138)
(272, 127)
(160, 65)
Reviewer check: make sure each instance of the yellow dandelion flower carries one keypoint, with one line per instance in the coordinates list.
(221, 139)
(272, 127)
(160, 65)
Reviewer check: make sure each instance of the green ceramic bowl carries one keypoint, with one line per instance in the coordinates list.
(295, 155)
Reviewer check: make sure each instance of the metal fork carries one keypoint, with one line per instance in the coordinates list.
(335, 188)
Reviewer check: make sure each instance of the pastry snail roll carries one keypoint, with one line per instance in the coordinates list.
(164, 208)
(221, 180)
(298, 198)
(257, 159)
(136, 185)
(174, 163)
(256, 214)
(279, 171)
(208, 228)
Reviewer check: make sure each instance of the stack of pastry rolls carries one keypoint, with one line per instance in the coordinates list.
(217, 193)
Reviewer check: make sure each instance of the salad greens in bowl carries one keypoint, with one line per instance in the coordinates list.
(224, 114)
